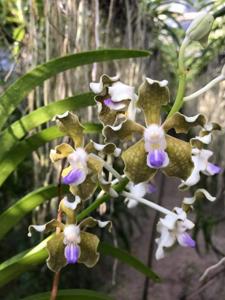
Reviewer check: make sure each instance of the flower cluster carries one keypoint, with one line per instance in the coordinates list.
(157, 150)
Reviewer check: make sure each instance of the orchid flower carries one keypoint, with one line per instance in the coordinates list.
(85, 171)
(139, 190)
(156, 149)
(172, 229)
(113, 98)
(200, 159)
(73, 244)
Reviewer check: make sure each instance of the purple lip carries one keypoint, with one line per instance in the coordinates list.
(73, 176)
(156, 158)
(71, 253)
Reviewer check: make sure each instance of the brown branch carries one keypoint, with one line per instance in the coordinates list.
(55, 283)
(152, 237)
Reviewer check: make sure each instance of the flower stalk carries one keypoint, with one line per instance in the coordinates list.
(148, 203)
(182, 79)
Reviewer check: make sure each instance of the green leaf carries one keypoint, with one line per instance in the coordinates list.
(128, 259)
(16, 131)
(10, 217)
(16, 92)
(18, 153)
(26, 260)
(22, 262)
(77, 294)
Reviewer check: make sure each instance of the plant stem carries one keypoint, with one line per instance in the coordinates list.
(56, 278)
(205, 88)
(108, 167)
(182, 80)
(55, 285)
(118, 188)
(148, 203)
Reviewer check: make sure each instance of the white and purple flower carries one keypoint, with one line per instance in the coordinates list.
(118, 93)
(78, 163)
(173, 228)
(155, 145)
(200, 159)
(139, 190)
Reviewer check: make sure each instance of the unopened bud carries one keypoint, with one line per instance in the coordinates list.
(200, 28)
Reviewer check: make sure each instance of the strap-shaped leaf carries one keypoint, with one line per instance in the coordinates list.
(16, 131)
(10, 217)
(22, 262)
(77, 294)
(128, 259)
(26, 260)
(18, 153)
(16, 92)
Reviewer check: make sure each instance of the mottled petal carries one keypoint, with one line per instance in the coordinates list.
(61, 151)
(157, 159)
(72, 253)
(185, 240)
(180, 159)
(136, 168)
(104, 81)
(91, 222)
(122, 132)
(55, 247)
(76, 176)
(70, 125)
(152, 95)
(88, 249)
(182, 123)
(109, 148)
(45, 228)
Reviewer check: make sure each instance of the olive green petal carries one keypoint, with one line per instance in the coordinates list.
(106, 115)
(91, 222)
(135, 160)
(122, 132)
(182, 123)
(70, 125)
(88, 249)
(205, 136)
(179, 153)
(107, 149)
(50, 226)
(61, 151)
(55, 246)
(86, 189)
(151, 96)
(96, 167)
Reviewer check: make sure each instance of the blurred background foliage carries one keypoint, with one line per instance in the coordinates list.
(35, 31)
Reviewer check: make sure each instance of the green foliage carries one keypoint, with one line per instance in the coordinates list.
(71, 295)
(16, 147)
(10, 217)
(13, 96)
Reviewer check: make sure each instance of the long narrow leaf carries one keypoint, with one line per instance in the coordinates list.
(26, 260)
(128, 259)
(10, 217)
(11, 98)
(12, 134)
(18, 153)
(77, 294)
(22, 262)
